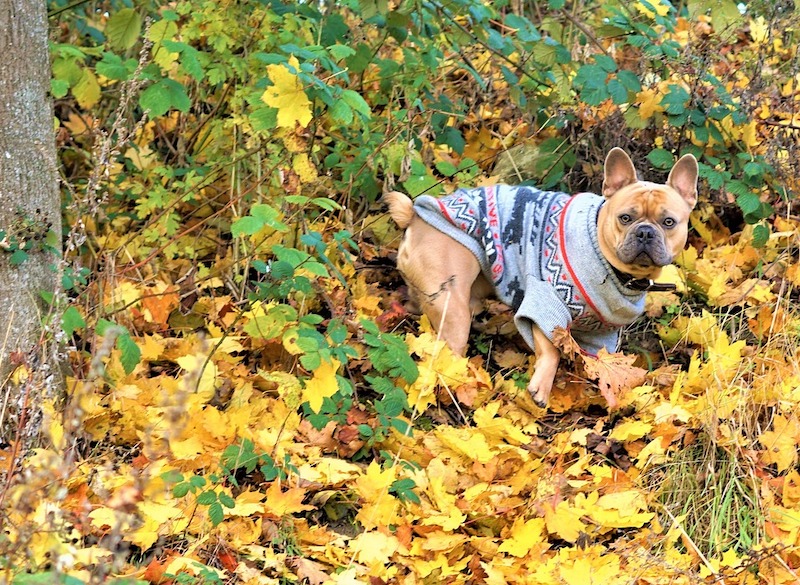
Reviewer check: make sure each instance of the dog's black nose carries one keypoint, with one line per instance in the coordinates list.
(645, 233)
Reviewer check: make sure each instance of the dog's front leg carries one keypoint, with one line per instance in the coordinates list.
(544, 370)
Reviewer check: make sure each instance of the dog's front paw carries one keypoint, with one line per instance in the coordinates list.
(540, 388)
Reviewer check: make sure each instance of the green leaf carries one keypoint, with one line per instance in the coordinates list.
(341, 112)
(226, 500)
(112, 66)
(163, 96)
(676, 99)
(215, 513)
(59, 88)
(261, 215)
(247, 225)
(629, 80)
(172, 476)
(190, 61)
(18, 257)
(453, 138)
(591, 79)
(618, 92)
(207, 498)
(341, 51)
(130, 354)
(372, 8)
(403, 488)
(760, 235)
(72, 320)
(660, 158)
(181, 489)
(264, 118)
(123, 28)
(357, 103)
(749, 203)
(525, 30)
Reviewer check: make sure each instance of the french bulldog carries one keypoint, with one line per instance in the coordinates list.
(581, 262)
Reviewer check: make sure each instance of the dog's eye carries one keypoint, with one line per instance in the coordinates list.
(625, 219)
(669, 222)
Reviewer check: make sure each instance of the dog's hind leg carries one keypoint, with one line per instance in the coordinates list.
(440, 273)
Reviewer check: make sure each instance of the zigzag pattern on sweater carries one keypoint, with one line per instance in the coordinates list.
(553, 266)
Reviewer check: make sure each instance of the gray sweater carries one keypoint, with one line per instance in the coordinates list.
(540, 250)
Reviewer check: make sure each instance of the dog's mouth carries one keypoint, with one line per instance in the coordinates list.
(643, 258)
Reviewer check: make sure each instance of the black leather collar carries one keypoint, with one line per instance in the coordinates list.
(643, 284)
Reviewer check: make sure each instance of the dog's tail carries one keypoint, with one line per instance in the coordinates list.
(401, 208)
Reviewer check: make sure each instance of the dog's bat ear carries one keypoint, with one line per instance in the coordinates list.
(617, 172)
(683, 178)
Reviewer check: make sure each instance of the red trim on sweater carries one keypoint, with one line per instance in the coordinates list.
(568, 266)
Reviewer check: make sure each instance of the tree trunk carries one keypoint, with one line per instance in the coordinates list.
(29, 209)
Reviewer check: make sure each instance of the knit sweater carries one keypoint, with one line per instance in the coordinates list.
(540, 250)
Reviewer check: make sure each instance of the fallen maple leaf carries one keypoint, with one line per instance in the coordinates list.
(614, 372)
(566, 343)
(287, 96)
(281, 503)
(524, 536)
(309, 570)
(780, 444)
(323, 384)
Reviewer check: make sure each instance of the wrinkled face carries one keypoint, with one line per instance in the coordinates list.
(645, 225)
(642, 226)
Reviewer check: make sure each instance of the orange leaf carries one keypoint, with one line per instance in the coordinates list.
(281, 503)
(615, 374)
(566, 343)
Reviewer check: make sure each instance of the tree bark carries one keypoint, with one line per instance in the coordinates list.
(29, 208)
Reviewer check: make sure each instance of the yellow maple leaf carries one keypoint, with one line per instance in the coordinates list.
(620, 510)
(451, 519)
(780, 444)
(247, 504)
(439, 366)
(468, 443)
(323, 384)
(525, 534)
(199, 364)
(498, 428)
(374, 549)
(649, 101)
(157, 520)
(187, 449)
(630, 430)
(590, 571)
(564, 521)
(379, 507)
(282, 503)
(375, 482)
(287, 96)
(152, 346)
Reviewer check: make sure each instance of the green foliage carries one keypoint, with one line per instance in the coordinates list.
(25, 235)
(215, 499)
(130, 354)
(243, 457)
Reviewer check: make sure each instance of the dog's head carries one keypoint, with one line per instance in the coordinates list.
(642, 226)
